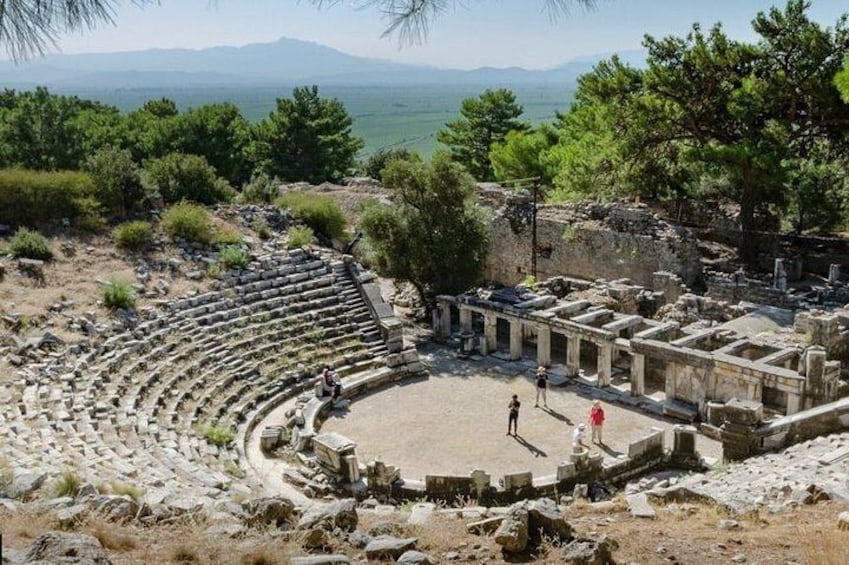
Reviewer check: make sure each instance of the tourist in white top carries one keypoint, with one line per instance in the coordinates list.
(578, 437)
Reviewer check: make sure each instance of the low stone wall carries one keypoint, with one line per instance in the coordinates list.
(644, 455)
(590, 242)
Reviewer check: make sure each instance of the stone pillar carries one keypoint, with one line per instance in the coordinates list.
(490, 331)
(779, 276)
(442, 320)
(670, 374)
(638, 374)
(739, 440)
(814, 373)
(515, 340)
(465, 319)
(833, 274)
(573, 355)
(544, 346)
(794, 403)
(684, 446)
(754, 392)
(604, 364)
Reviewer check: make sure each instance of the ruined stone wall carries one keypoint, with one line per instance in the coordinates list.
(611, 242)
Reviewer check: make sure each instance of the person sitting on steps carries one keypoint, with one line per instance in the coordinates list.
(330, 383)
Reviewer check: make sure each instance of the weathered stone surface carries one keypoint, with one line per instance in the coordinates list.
(585, 551)
(226, 529)
(843, 521)
(544, 517)
(68, 517)
(117, 508)
(25, 485)
(512, 535)
(314, 538)
(638, 505)
(273, 510)
(728, 525)
(486, 526)
(340, 514)
(321, 560)
(383, 547)
(415, 558)
(59, 548)
(420, 513)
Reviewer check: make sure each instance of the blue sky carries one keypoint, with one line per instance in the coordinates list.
(497, 33)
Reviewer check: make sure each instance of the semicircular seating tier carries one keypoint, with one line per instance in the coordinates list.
(132, 407)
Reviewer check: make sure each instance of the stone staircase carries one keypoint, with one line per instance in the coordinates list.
(133, 407)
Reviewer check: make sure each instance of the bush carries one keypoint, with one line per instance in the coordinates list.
(227, 236)
(30, 245)
(219, 435)
(262, 189)
(298, 237)
(262, 229)
(319, 212)
(117, 181)
(187, 177)
(126, 489)
(119, 294)
(133, 235)
(232, 257)
(36, 197)
(67, 485)
(188, 221)
(374, 165)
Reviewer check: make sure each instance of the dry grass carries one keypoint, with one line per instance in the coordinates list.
(113, 537)
(823, 545)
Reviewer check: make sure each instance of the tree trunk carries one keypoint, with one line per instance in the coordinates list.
(747, 247)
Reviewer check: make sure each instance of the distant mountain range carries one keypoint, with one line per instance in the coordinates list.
(282, 62)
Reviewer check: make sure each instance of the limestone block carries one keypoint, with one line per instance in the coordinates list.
(843, 521)
(515, 481)
(382, 547)
(566, 471)
(512, 535)
(745, 412)
(638, 505)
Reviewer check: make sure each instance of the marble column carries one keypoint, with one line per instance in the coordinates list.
(515, 340)
(442, 320)
(794, 403)
(671, 373)
(573, 355)
(604, 364)
(465, 319)
(638, 374)
(490, 331)
(544, 346)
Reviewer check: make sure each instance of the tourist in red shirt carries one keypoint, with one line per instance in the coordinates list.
(596, 421)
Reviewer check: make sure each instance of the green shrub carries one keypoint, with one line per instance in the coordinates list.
(36, 197)
(233, 257)
(319, 212)
(30, 244)
(262, 229)
(133, 235)
(262, 188)
(117, 181)
(219, 435)
(227, 236)
(119, 294)
(179, 177)
(126, 489)
(67, 485)
(298, 237)
(188, 221)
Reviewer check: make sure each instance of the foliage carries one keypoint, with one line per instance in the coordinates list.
(35, 197)
(484, 121)
(188, 221)
(117, 181)
(307, 138)
(126, 489)
(298, 236)
(178, 176)
(520, 155)
(262, 229)
(219, 134)
(30, 245)
(432, 235)
(319, 212)
(227, 236)
(234, 257)
(133, 235)
(119, 294)
(68, 484)
(374, 165)
(262, 189)
(219, 435)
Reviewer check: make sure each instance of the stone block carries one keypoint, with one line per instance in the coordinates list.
(745, 412)
(516, 481)
(566, 471)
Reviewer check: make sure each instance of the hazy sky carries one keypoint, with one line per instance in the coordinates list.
(497, 33)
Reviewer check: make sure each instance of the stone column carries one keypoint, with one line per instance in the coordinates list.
(442, 320)
(794, 403)
(490, 331)
(814, 375)
(604, 364)
(573, 355)
(638, 374)
(544, 346)
(833, 274)
(671, 372)
(465, 319)
(515, 339)
(779, 276)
